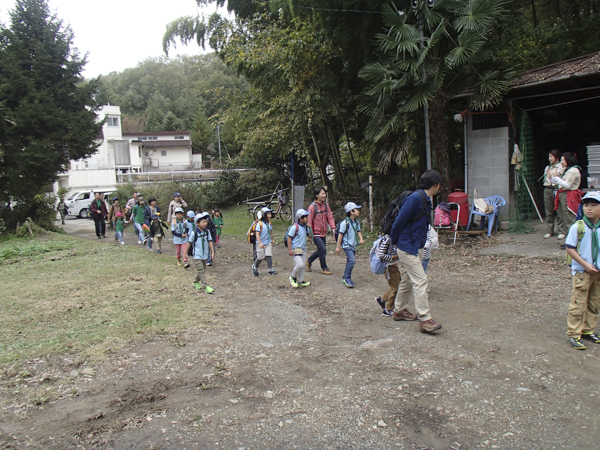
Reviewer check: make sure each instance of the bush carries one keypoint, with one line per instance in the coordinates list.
(224, 192)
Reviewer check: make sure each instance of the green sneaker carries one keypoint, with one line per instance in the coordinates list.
(293, 282)
(209, 290)
(197, 285)
(577, 344)
(304, 284)
(591, 336)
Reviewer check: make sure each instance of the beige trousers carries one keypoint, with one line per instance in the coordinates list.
(413, 283)
(565, 217)
(392, 273)
(585, 301)
(201, 274)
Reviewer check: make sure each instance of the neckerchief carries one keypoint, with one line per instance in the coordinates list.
(180, 226)
(309, 231)
(595, 240)
(201, 235)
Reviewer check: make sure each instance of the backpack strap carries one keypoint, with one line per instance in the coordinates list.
(423, 211)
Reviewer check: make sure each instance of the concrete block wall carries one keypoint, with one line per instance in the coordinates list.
(489, 164)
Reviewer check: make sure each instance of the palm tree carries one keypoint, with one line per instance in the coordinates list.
(426, 56)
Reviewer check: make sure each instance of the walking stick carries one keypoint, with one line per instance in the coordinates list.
(531, 196)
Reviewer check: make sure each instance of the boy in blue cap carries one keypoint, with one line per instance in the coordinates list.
(296, 243)
(583, 245)
(348, 239)
(202, 248)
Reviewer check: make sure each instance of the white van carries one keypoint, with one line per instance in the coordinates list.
(79, 203)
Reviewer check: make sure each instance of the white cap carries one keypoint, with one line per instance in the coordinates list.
(178, 210)
(202, 215)
(301, 213)
(350, 206)
(266, 209)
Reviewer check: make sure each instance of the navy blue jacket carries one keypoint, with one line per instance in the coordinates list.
(410, 236)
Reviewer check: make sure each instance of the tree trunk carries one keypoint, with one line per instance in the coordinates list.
(439, 135)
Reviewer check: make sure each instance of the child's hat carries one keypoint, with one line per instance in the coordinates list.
(118, 214)
(592, 195)
(178, 210)
(200, 216)
(115, 198)
(154, 216)
(266, 209)
(190, 214)
(176, 194)
(350, 206)
(301, 213)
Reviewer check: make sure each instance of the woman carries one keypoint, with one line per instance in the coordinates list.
(568, 195)
(554, 169)
(319, 215)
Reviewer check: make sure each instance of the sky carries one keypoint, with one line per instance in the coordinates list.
(120, 34)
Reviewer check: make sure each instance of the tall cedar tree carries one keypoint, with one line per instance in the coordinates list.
(51, 109)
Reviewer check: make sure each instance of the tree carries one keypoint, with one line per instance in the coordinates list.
(172, 123)
(52, 110)
(427, 55)
(202, 134)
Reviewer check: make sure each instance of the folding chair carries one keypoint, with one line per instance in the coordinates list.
(454, 226)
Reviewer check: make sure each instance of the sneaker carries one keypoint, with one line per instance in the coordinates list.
(293, 283)
(209, 264)
(139, 242)
(104, 236)
(561, 236)
(577, 344)
(99, 237)
(547, 236)
(304, 284)
(159, 252)
(593, 337)
(381, 302)
(429, 326)
(209, 290)
(327, 272)
(186, 265)
(145, 240)
(122, 243)
(254, 270)
(387, 313)
(179, 264)
(348, 282)
(405, 314)
(197, 285)
(308, 269)
(272, 272)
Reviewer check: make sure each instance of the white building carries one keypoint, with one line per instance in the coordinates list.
(121, 155)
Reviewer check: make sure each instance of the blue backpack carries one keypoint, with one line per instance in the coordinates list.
(377, 265)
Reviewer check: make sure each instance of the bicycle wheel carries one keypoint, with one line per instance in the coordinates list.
(285, 213)
(256, 209)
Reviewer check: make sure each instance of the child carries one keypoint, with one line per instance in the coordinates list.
(190, 225)
(583, 246)
(119, 227)
(213, 233)
(113, 210)
(264, 237)
(202, 247)
(349, 233)
(151, 209)
(179, 230)
(218, 220)
(156, 232)
(386, 252)
(296, 242)
(62, 210)
(137, 216)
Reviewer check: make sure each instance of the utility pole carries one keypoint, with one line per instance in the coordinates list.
(219, 139)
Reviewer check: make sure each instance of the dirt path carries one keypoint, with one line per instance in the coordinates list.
(321, 368)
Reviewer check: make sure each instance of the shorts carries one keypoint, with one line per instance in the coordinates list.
(261, 253)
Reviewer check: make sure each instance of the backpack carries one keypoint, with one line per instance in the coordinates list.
(288, 230)
(317, 210)
(251, 235)
(441, 218)
(377, 265)
(580, 233)
(191, 248)
(394, 208)
(337, 228)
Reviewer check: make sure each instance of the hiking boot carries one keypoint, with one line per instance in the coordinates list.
(186, 265)
(197, 285)
(387, 313)
(381, 302)
(272, 272)
(576, 343)
(308, 269)
(327, 272)
(405, 314)
(293, 282)
(304, 284)
(209, 290)
(429, 326)
(348, 282)
(593, 337)
(254, 270)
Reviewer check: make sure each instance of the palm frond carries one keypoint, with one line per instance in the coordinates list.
(479, 14)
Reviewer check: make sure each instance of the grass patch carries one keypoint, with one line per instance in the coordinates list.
(72, 295)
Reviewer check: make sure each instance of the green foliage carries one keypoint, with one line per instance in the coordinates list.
(225, 191)
(32, 248)
(49, 113)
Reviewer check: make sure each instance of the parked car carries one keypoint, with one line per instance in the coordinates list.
(79, 203)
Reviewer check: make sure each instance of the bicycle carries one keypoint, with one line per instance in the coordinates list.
(283, 208)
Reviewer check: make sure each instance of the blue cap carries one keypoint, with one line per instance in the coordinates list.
(191, 214)
(350, 206)
(176, 194)
(154, 216)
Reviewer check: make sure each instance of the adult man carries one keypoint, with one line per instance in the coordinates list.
(99, 213)
(177, 202)
(409, 234)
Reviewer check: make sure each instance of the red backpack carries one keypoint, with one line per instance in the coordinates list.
(441, 218)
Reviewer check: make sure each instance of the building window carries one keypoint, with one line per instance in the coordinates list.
(179, 137)
(163, 153)
(153, 138)
(113, 121)
(146, 154)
